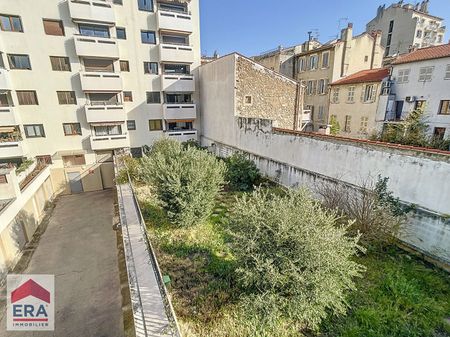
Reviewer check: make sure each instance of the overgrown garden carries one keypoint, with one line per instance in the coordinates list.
(247, 257)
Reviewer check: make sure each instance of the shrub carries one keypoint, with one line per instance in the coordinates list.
(293, 256)
(25, 164)
(186, 180)
(132, 168)
(242, 173)
(335, 126)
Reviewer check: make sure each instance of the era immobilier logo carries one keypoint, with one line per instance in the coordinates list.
(30, 302)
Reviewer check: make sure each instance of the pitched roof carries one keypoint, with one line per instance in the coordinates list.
(370, 75)
(428, 53)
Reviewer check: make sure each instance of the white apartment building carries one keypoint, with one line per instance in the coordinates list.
(405, 26)
(79, 78)
(420, 79)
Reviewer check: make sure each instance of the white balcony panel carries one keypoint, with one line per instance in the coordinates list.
(8, 116)
(105, 113)
(178, 83)
(109, 142)
(173, 21)
(87, 46)
(12, 149)
(92, 10)
(101, 82)
(5, 81)
(179, 111)
(182, 136)
(176, 53)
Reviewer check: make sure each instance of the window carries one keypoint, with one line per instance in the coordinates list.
(66, 97)
(131, 125)
(3, 179)
(447, 72)
(313, 60)
(335, 97)
(178, 98)
(108, 130)
(72, 129)
(173, 7)
(104, 98)
(175, 39)
(391, 26)
(364, 124)
(34, 130)
(121, 33)
(180, 125)
(153, 97)
(321, 113)
(148, 36)
(325, 59)
(248, 100)
(369, 94)
(440, 37)
(351, 95)
(425, 74)
(420, 104)
(150, 68)
(176, 69)
(98, 65)
(124, 65)
(348, 119)
(322, 86)
(117, 2)
(419, 33)
(5, 99)
(2, 64)
(301, 64)
(155, 124)
(17, 61)
(309, 87)
(439, 133)
(75, 160)
(145, 5)
(93, 30)
(366, 58)
(53, 27)
(403, 75)
(444, 108)
(27, 97)
(60, 63)
(127, 96)
(310, 108)
(10, 23)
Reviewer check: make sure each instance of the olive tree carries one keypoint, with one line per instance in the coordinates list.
(186, 180)
(293, 255)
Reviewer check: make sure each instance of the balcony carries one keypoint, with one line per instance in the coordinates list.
(92, 10)
(182, 135)
(5, 81)
(179, 111)
(105, 113)
(101, 82)
(176, 53)
(177, 83)
(8, 116)
(12, 149)
(87, 46)
(110, 142)
(174, 21)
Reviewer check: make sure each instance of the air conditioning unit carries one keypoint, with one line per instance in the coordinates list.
(410, 99)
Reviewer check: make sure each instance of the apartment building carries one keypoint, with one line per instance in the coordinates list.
(421, 79)
(316, 68)
(354, 102)
(405, 26)
(79, 78)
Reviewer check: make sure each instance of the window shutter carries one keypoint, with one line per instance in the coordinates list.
(374, 92)
(363, 92)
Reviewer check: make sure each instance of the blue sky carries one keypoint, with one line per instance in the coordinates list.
(253, 26)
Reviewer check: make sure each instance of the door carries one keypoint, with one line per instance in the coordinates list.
(75, 182)
(398, 110)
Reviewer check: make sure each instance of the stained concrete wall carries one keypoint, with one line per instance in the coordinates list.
(420, 178)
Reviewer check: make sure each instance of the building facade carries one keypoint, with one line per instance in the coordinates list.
(354, 102)
(421, 79)
(405, 26)
(316, 68)
(81, 78)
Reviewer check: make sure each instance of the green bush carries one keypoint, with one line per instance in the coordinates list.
(293, 256)
(25, 164)
(132, 168)
(186, 180)
(242, 173)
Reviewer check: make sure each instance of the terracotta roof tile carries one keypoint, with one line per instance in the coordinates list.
(370, 75)
(428, 53)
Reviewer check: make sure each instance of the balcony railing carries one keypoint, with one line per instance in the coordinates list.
(5, 81)
(176, 53)
(101, 82)
(12, 148)
(92, 10)
(178, 83)
(179, 111)
(105, 113)
(96, 46)
(110, 142)
(8, 116)
(171, 20)
(182, 135)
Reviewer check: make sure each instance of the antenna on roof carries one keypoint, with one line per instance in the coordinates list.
(340, 22)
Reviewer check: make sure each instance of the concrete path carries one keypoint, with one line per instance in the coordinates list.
(79, 247)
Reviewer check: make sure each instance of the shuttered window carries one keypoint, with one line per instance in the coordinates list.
(53, 27)
(98, 65)
(27, 97)
(66, 97)
(60, 63)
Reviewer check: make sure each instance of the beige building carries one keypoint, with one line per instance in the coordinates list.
(354, 101)
(280, 59)
(316, 68)
(405, 26)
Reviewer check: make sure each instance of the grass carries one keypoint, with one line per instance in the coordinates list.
(399, 296)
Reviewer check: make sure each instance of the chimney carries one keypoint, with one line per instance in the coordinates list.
(347, 33)
(346, 37)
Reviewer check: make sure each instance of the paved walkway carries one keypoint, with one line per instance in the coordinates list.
(79, 247)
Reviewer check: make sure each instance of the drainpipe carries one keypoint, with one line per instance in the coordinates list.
(298, 109)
